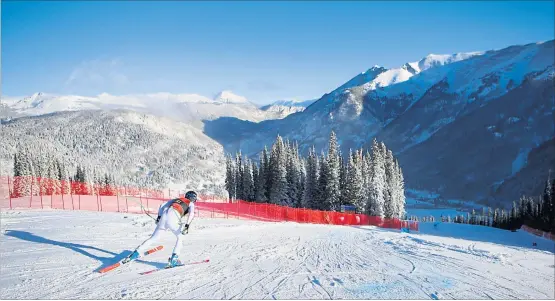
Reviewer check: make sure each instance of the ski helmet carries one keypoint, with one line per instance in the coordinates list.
(191, 195)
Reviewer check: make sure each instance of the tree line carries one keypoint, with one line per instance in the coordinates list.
(535, 212)
(46, 174)
(372, 181)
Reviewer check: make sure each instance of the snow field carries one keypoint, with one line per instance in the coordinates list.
(53, 254)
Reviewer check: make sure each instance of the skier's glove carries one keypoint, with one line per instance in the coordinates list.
(157, 220)
(185, 229)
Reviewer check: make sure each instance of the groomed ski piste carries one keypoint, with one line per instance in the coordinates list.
(55, 254)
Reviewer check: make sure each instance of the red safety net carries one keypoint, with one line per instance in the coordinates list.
(33, 192)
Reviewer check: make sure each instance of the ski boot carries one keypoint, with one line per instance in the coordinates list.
(131, 257)
(173, 261)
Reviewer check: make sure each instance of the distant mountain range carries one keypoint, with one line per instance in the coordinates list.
(178, 106)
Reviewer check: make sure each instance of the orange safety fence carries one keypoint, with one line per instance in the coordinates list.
(33, 192)
(539, 233)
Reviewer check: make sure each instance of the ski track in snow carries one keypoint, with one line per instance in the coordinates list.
(54, 254)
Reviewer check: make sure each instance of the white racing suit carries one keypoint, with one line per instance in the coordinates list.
(170, 219)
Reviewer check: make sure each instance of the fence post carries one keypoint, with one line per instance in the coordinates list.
(10, 192)
(117, 198)
(79, 201)
(97, 205)
(126, 204)
(41, 206)
(31, 200)
(71, 194)
(100, 201)
(63, 202)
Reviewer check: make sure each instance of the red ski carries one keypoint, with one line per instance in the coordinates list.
(119, 263)
(180, 265)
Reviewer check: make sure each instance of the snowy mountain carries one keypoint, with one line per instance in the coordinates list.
(228, 97)
(177, 106)
(284, 108)
(457, 122)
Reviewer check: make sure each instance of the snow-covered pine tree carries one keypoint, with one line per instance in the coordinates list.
(30, 170)
(322, 201)
(261, 190)
(278, 173)
(311, 180)
(345, 176)
(513, 218)
(548, 210)
(96, 181)
(77, 176)
(53, 174)
(230, 174)
(21, 187)
(292, 176)
(17, 173)
(114, 185)
(497, 220)
(86, 179)
(239, 176)
(390, 197)
(332, 188)
(355, 183)
(367, 177)
(255, 180)
(266, 183)
(301, 183)
(539, 206)
(63, 177)
(375, 206)
(41, 172)
(16, 166)
(248, 184)
(530, 211)
(399, 191)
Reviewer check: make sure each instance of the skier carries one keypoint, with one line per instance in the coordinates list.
(169, 218)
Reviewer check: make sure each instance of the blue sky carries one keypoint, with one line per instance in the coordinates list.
(264, 51)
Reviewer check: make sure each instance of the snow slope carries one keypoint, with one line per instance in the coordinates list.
(52, 254)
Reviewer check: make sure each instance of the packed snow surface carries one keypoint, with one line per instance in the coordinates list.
(53, 254)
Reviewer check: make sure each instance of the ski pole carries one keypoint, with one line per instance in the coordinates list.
(142, 208)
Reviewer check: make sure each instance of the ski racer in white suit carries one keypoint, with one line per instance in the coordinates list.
(169, 218)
